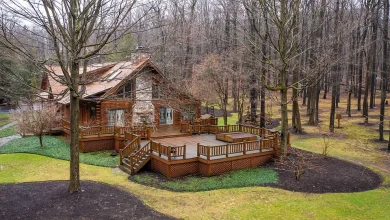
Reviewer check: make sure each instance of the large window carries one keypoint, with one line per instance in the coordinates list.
(116, 117)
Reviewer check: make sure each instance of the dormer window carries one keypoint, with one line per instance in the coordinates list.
(126, 91)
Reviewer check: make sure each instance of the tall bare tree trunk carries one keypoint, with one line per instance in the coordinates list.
(74, 183)
(385, 68)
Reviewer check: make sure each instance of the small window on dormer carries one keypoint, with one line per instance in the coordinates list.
(126, 90)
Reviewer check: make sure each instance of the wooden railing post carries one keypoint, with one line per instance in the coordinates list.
(131, 163)
(244, 148)
(197, 149)
(149, 134)
(169, 153)
(261, 145)
(159, 149)
(208, 152)
(120, 157)
(227, 150)
(184, 152)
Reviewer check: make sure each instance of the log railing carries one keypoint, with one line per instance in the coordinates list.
(143, 132)
(96, 131)
(131, 145)
(168, 151)
(237, 148)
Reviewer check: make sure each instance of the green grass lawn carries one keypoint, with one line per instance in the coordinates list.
(235, 203)
(232, 120)
(239, 178)
(57, 148)
(4, 119)
(8, 132)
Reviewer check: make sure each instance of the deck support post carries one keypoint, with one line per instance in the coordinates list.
(169, 153)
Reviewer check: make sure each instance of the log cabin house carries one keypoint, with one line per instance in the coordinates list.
(120, 102)
(120, 95)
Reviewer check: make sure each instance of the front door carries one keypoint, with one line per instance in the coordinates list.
(166, 116)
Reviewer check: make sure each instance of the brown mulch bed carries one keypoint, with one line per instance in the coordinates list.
(50, 200)
(327, 176)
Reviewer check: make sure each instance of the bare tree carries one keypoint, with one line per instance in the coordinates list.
(77, 31)
(36, 119)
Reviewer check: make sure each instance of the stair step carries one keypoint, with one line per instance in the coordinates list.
(125, 169)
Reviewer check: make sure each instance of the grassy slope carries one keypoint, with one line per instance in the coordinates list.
(57, 148)
(241, 203)
(238, 178)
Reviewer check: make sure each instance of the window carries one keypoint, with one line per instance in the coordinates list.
(116, 117)
(188, 112)
(92, 111)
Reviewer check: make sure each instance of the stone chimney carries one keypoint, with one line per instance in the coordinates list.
(140, 52)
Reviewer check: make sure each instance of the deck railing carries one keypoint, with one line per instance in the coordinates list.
(168, 151)
(236, 148)
(143, 132)
(96, 131)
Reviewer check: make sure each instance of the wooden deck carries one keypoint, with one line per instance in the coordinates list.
(174, 154)
(192, 142)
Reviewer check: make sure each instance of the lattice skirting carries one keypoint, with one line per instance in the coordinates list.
(184, 169)
(97, 145)
(201, 167)
(160, 167)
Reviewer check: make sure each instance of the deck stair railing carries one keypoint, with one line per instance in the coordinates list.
(139, 158)
(133, 143)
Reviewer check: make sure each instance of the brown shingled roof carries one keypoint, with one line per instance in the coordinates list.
(98, 78)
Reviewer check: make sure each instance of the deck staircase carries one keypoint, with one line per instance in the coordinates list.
(133, 162)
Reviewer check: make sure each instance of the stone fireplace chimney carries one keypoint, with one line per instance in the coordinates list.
(140, 52)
